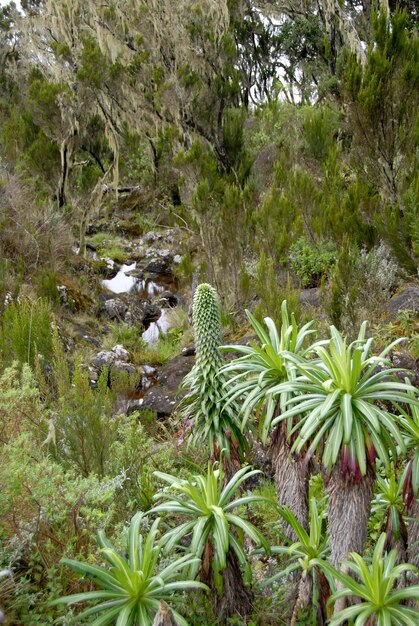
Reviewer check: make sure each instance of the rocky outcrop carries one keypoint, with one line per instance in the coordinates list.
(404, 360)
(118, 358)
(406, 299)
(163, 396)
(115, 308)
(310, 297)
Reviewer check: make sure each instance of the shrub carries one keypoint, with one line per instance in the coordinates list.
(25, 330)
(320, 127)
(135, 455)
(45, 513)
(20, 405)
(311, 262)
(361, 285)
(271, 291)
(84, 424)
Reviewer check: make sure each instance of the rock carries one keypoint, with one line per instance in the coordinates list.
(404, 360)
(120, 353)
(116, 359)
(150, 236)
(159, 266)
(167, 299)
(91, 229)
(115, 308)
(122, 366)
(407, 298)
(132, 406)
(190, 351)
(310, 297)
(162, 397)
(93, 374)
(104, 358)
(150, 313)
(177, 259)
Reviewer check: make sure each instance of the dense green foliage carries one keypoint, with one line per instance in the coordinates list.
(131, 591)
(268, 151)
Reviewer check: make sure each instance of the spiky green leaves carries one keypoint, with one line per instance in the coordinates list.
(374, 585)
(207, 506)
(130, 589)
(213, 423)
(260, 368)
(308, 547)
(339, 400)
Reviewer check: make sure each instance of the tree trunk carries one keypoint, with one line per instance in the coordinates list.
(291, 480)
(413, 545)
(304, 597)
(164, 616)
(349, 510)
(236, 598)
(413, 534)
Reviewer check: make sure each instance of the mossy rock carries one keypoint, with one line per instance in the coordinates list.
(78, 300)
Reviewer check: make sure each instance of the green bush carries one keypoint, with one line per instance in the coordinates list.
(321, 125)
(20, 404)
(361, 285)
(26, 330)
(135, 455)
(311, 262)
(45, 513)
(84, 424)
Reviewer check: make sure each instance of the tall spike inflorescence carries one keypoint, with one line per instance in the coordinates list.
(212, 420)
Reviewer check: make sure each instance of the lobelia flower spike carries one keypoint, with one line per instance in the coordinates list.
(212, 420)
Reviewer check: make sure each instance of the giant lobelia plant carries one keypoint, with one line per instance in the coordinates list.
(208, 507)
(341, 400)
(132, 586)
(212, 421)
(377, 601)
(304, 556)
(260, 369)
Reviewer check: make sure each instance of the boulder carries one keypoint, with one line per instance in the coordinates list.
(405, 361)
(407, 298)
(150, 313)
(115, 308)
(159, 266)
(122, 366)
(104, 358)
(150, 236)
(310, 297)
(162, 397)
(167, 299)
(116, 359)
(120, 353)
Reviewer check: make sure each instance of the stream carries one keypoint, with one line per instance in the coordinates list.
(130, 279)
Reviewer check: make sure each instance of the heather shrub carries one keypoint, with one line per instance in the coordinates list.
(20, 405)
(361, 285)
(25, 331)
(46, 513)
